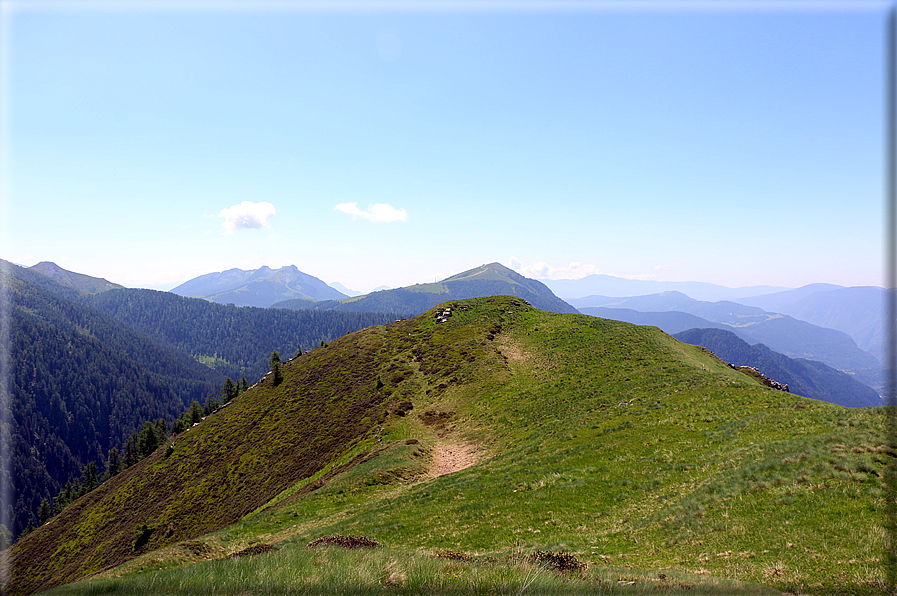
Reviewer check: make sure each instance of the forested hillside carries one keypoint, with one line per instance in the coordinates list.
(81, 383)
(91, 369)
(235, 341)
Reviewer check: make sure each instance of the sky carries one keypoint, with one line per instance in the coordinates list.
(370, 143)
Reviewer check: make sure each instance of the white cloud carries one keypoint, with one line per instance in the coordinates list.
(246, 216)
(543, 270)
(378, 213)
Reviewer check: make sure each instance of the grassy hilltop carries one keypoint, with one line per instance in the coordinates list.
(464, 444)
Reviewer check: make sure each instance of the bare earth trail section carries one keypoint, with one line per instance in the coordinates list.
(452, 457)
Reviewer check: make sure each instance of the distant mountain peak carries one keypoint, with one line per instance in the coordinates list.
(494, 269)
(341, 288)
(260, 287)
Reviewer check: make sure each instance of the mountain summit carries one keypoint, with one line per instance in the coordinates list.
(260, 287)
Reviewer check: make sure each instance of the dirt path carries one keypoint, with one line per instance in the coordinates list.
(452, 457)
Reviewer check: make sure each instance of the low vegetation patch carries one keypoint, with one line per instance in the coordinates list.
(344, 542)
(455, 555)
(255, 549)
(560, 561)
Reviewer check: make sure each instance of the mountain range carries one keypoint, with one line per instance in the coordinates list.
(608, 285)
(184, 347)
(485, 280)
(783, 333)
(803, 377)
(473, 437)
(260, 287)
(858, 311)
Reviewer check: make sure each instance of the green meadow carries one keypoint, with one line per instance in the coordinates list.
(505, 432)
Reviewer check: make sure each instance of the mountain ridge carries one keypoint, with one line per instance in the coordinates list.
(77, 281)
(486, 280)
(857, 311)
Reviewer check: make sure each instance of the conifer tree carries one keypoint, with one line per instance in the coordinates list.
(229, 391)
(161, 429)
(90, 476)
(195, 412)
(44, 512)
(131, 454)
(5, 537)
(150, 437)
(211, 406)
(113, 463)
(275, 364)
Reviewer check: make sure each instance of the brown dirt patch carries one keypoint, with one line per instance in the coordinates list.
(452, 457)
(511, 350)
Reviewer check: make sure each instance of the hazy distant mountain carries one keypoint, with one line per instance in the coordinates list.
(803, 377)
(260, 287)
(487, 280)
(341, 288)
(78, 281)
(668, 322)
(782, 333)
(777, 301)
(857, 311)
(662, 301)
(608, 285)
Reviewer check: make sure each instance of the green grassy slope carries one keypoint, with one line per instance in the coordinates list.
(608, 440)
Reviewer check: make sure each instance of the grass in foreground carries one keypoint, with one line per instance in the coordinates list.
(333, 570)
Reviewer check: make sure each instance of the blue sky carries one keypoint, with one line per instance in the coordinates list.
(738, 144)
